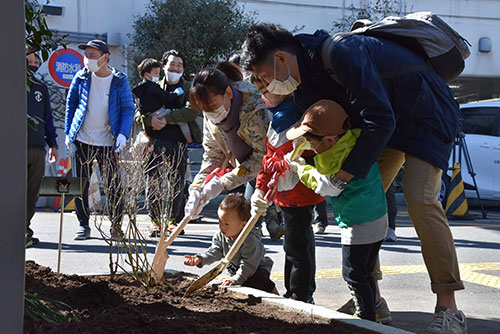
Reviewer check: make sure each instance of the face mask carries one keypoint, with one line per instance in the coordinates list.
(173, 77)
(152, 78)
(282, 87)
(219, 114)
(33, 68)
(91, 64)
(271, 101)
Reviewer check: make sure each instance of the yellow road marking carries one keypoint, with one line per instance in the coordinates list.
(470, 272)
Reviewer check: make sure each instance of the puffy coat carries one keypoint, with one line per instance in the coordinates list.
(285, 116)
(121, 104)
(395, 106)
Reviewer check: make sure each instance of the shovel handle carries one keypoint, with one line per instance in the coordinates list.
(297, 151)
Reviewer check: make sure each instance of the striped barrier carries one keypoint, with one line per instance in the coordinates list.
(456, 203)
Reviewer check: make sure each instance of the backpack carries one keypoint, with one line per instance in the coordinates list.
(423, 32)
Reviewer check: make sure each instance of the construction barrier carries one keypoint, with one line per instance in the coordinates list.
(456, 203)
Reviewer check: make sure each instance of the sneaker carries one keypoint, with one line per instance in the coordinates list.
(391, 235)
(171, 227)
(82, 233)
(155, 230)
(382, 311)
(31, 241)
(320, 229)
(447, 322)
(277, 233)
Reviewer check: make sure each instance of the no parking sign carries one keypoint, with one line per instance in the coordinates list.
(63, 65)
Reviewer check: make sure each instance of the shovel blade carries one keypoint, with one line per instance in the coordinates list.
(209, 276)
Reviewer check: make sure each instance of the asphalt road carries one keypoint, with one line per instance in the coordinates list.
(405, 286)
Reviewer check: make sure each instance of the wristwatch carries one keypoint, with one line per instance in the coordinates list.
(337, 183)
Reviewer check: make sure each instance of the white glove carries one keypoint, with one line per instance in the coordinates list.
(70, 146)
(121, 141)
(212, 189)
(258, 204)
(288, 181)
(325, 186)
(193, 205)
(179, 91)
(294, 165)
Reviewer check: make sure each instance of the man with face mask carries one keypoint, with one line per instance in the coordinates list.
(38, 103)
(167, 136)
(407, 115)
(99, 117)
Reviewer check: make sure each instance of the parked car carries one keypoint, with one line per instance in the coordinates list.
(481, 127)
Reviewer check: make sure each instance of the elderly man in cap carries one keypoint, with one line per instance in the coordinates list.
(99, 117)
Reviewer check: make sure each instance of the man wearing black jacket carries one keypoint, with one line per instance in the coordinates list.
(167, 135)
(38, 101)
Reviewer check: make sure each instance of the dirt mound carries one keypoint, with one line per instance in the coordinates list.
(100, 305)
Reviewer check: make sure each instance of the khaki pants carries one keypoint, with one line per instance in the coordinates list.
(421, 185)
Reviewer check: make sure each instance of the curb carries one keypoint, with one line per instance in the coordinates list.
(320, 311)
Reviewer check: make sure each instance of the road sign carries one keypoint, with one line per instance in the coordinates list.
(63, 65)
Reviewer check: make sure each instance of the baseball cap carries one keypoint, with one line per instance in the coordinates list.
(96, 44)
(323, 118)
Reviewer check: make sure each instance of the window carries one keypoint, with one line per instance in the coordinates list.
(481, 121)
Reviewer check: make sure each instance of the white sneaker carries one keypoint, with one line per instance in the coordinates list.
(391, 235)
(320, 229)
(447, 322)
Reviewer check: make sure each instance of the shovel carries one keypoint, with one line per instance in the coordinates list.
(161, 255)
(219, 268)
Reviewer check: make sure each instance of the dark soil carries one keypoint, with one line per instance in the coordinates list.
(123, 306)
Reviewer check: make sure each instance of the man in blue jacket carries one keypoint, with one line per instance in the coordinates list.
(99, 117)
(407, 114)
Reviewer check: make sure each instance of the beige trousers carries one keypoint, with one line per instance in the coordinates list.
(421, 185)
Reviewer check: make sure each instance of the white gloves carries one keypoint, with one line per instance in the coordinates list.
(179, 91)
(288, 181)
(295, 164)
(70, 146)
(212, 189)
(121, 141)
(193, 205)
(325, 186)
(257, 203)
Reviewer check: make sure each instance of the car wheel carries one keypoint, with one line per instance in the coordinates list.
(443, 192)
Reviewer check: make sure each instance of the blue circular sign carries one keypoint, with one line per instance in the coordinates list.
(64, 64)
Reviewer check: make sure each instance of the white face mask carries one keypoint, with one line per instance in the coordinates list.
(282, 87)
(219, 114)
(92, 65)
(173, 77)
(152, 78)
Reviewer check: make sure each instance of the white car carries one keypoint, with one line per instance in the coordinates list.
(481, 127)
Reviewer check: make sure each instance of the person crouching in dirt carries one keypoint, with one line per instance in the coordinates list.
(359, 206)
(249, 267)
(296, 203)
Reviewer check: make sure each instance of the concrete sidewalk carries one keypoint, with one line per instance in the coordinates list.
(405, 285)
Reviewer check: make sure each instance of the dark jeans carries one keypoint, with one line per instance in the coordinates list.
(358, 262)
(392, 207)
(178, 159)
(299, 246)
(36, 169)
(108, 166)
(320, 215)
(260, 281)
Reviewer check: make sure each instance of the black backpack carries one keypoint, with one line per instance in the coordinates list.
(423, 32)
